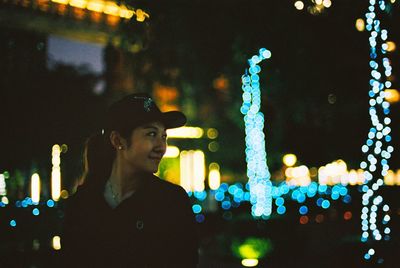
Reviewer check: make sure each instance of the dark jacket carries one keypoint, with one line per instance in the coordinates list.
(154, 227)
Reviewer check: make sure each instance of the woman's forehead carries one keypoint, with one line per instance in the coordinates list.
(153, 125)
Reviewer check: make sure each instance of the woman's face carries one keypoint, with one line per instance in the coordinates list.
(148, 144)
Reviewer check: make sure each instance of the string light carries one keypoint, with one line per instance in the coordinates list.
(172, 152)
(106, 7)
(56, 242)
(289, 160)
(56, 172)
(256, 156)
(214, 176)
(376, 148)
(231, 196)
(314, 7)
(185, 132)
(35, 188)
(3, 185)
(192, 170)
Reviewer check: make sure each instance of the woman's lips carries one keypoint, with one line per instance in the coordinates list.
(156, 158)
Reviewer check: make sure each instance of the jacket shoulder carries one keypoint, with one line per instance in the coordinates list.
(168, 187)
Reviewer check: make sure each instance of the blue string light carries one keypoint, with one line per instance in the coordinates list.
(256, 156)
(376, 148)
(232, 196)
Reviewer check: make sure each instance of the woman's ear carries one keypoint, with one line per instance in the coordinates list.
(117, 141)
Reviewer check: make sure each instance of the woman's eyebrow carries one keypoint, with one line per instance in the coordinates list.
(150, 127)
(154, 127)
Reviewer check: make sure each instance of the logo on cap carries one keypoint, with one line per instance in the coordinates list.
(147, 102)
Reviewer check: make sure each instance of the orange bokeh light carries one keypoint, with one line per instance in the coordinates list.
(319, 218)
(304, 219)
(348, 215)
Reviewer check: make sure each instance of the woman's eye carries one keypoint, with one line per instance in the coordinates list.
(152, 134)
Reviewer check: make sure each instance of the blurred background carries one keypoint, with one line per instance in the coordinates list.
(64, 61)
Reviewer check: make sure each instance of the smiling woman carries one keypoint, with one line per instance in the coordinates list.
(143, 150)
(123, 214)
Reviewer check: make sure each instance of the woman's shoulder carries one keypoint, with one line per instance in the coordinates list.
(167, 191)
(166, 186)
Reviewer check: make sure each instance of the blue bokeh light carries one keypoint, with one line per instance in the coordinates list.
(13, 223)
(281, 210)
(50, 203)
(226, 205)
(303, 210)
(36, 211)
(200, 218)
(259, 182)
(325, 204)
(196, 208)
(279, 201)
(378, 137)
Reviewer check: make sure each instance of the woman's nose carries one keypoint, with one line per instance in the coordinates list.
(161, 145)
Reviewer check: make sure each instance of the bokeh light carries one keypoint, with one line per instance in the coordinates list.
(299, 5)
(289, 160)
(376, 147)
(256, 156)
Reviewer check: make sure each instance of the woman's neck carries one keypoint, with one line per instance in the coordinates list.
(123, 181)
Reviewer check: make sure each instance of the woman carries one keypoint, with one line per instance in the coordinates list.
(123, 215)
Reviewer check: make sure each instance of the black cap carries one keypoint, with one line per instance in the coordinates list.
(137, 109)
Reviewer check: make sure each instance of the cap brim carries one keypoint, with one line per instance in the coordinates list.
(173, 119)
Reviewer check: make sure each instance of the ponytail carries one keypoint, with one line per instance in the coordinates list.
(98, 158)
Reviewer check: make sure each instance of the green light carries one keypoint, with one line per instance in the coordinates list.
(251, 248)
(6, 174)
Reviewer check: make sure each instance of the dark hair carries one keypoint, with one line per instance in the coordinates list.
(98, 158)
